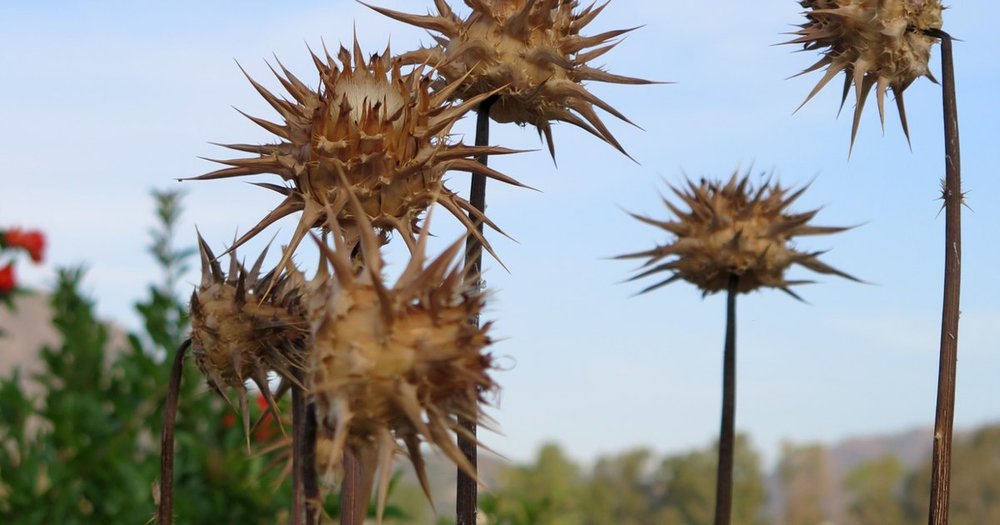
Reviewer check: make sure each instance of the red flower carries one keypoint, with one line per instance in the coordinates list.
(33, 241)
(7, 280)
(267, 426)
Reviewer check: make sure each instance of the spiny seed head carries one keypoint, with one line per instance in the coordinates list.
(370, 130)
(876, 43)
(244, 325)
(395, 365)
(732, 229)
(531, 52)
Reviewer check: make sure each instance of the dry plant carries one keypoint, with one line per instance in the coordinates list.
(396, 364)
(361, 157)
(244, 325)
(735, 238)
(531, 52)
(385, 130)
(530, 57)
(886, 44)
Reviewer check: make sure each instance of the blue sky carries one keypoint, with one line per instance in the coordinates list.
(104, 101)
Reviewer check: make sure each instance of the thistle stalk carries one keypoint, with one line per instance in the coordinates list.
(727, 431)
(466, 490)
(165, 508)
(298, 463)
(305, 490)
(952, 196)
(352, 505)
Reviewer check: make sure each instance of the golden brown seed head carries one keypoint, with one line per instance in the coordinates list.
(876, 43)
(244, 325)
(733, 229)
(531, 51)
(395, 365)
(369, 129)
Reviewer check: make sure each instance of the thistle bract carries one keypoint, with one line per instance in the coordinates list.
(732, 229)
(244, 325)
(531, 52)
(395, 365)
(875, 43)
(370, 130)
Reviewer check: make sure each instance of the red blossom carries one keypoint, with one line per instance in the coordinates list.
(7, 280)
(32, 241)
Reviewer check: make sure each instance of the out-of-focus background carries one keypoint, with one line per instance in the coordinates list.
(104, 101)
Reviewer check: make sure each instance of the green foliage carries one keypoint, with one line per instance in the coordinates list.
(86, 449)
(804, 473)
(874, 491)
(689, 487)
(625, 489)
(547, 492)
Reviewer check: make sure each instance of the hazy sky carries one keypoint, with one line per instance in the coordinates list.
(103, 101)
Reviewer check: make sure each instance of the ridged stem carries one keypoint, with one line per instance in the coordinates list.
(298, 461)
(945, 414)
(310, 486)
(727, 430)
(353, 505)
(305, 490)
(165, 510)
(466, 491)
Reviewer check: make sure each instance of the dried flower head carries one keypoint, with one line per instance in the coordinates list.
(244, 325)
(383, 132)
(395, 365)
(532, 52)
(733, 229)
(876, 43)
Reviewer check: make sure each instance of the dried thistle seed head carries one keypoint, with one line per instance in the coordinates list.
(876, 43)
(244, 325)
(733, 229)
(532, 52)
(369, 130)
(395, 365)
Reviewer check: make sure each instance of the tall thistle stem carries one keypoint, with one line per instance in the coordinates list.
(727, 431)
(952, 195)
(352, 508)
(165, 509)
(466, 491)
(310, 487)
(298, 440)
(305, 490)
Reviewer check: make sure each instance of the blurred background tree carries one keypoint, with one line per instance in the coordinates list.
(804, 474)
(874, 489)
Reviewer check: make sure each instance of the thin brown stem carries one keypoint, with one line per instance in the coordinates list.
(466, 491)
(944, 416)
(298, 460)
(310, 485)
(727, 431)
(165, 509)
(352, 508)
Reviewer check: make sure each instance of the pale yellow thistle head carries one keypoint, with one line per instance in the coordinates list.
(394, 366)
(531, 52)
(244, 325)
(371, 130)
(732, 229)
(875, 43)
